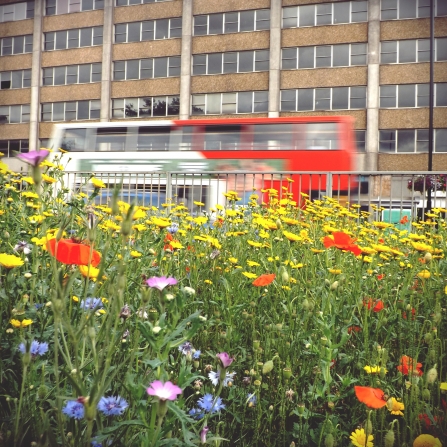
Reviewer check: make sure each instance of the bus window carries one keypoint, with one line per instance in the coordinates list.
(111, 139)
(274, 136)
(322, 136)
(74, 140)
(153, 138)
(224, 138)
(182, 138)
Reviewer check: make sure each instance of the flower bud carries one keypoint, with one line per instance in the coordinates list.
(432, 375)
(334, 285)
(42, 391)
(153, 314)
(301, 408)
(28, 275)
(428, 337)
(368, 427)
(428, 257)
(426, 394)
(267, 367)
(287, 373)
(329, 440)
(389, 438)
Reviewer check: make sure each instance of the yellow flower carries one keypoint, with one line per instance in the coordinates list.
(135, 254)
(292, 237)
(208, 281)
(358, 438)
(75, 298)
(374, 369)
(233, 260)
(255, 264)
(28, 180)
(48, 179)
(30, 195)
(198, 203)
(420, 246)
(395, 407)
(254, 244)
(424, 274)
(159, 222)
(97, 183)
(335, 271)
(250, 275)
(176, 244)
(10, 261)
(427, 441)
(139, 214)
(89, 271)
(21, 324)
(383, 224)
(443, 386)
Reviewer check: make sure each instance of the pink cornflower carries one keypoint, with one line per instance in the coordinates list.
(161, 282)
(164, 391)
(225, 359)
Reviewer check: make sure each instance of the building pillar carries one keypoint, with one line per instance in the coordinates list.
(275, 58)
(107, 40)
(372, 90)
(185, 70)
(35, 76)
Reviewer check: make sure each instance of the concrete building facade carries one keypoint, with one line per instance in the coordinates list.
(107, 60)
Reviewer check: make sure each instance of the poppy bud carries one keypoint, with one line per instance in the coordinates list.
(287, 373)
(389, 438)
(426, 394)
(329, 440)
(334, 285)
(267, 367)
(301, 408)
(42, 391)
(428, 257)
(305, 304)
(432, 375)
(428, 337)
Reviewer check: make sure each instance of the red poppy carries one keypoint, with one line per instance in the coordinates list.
(406, 314)
(352, 329)
(376, 306)
(371, 397)
(409, 366)
(380, 277)
(69, 252)
(264, 280)
(342, 241)
(404, 220)
(382, 241)
(168, 237)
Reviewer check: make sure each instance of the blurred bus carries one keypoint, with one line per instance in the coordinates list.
(257, 145)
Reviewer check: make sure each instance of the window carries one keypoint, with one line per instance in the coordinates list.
(232, 22)
(325, 14)
(360, 138)
(407, 51)
(17, 11)
(72, 74)
(411, 95)
(343, 55)
(411, 140)
(9, 148)
(14, 114)
(330, 98)
(74, 38)
(72, 110)
(56, 7)
(136, 2)
(15, 79)
(229, 103)
(410, 9)
(237, 62)
(148, 30)
(16, 45)
(145, 107)
(160, 67)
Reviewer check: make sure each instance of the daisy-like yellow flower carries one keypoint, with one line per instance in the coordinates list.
(426, 441)
(10, 261)
(75, 298)
(48, 179)
(374, 369)
(291, 236)
(30, 195)
(317, 250)
(395, 407)
(89, 271)
(358, 438)
(254, 244)
(208, 281)
(383, 224)
(159, 222)
(424, 274)
(136, 254)
(21, 324)
(443, 386)
(233, 260)
(420, 246)
(176, 244)
(335, 271)
(97, 183)
(250, 275)
(28, 180)
(256, 264)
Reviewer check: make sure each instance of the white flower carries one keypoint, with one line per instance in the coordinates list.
(189, 291)
(156, 329)
(214, 377)
(142, 314)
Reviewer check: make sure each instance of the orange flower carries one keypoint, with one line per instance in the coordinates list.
(409, 366)
(376, 306)
(264, 280)
(404, 220)
(371, 397)
(69, 252)
(342, 241)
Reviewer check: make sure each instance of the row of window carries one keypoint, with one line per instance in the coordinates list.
(15, 79)
(72, 74)
(148, 30)
(56, 7)
(146, 107)
(159, 67)
(14, 114)
(16, 45)
(412, 50)
(319, 56)
(137, 2)
(411, 140)
(17, 11)
(234, 62)
(333, 98)
(73, 38)
(412, 95)
(71, 110)
(410, 9)
(9, 147)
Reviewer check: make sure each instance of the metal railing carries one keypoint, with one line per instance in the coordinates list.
(386, 194)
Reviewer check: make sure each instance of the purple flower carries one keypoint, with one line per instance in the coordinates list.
(210, 404)
(203, 433)
(164, 391)
(161, 282)
(112, 406)
(225, 359)
(34, 158)
(74, 409)
(186, 348)
(91, 303)
(22, 246)
(36, 348)
(172, 229)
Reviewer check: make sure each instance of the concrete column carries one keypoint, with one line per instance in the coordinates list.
(35, 76)
(185, 71)
(107, 40)
(372, 90)
(275, 57)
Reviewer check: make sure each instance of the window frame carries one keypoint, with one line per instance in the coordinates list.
(171, 30)
(419, 7)
(51, 37)
(22, 110)
(57, 6)
(26, 44)
(418, 137)
(23, 147)
(418, 50)
(48, 109)
(45, 74)
(119, 104)
(170, 65)
(23, 78)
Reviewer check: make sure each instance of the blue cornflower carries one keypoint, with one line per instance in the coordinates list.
(210, 404)
(36, 348)
(91, 304)
(172, 229)
(38, 306)
(251, 400)
(74, 409)
(185, 348)
(195, 413)
(112, 406)
(196, 354)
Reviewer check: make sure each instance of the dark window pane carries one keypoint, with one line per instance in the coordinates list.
(288, 100)
(290, 17)
(18, 45)
(58, 111)
(289, 58)
(422, 140)
(387, 140)
(358, 54)
(441, 140)
(405, 140)
(359, 11)
(406, 96)
(96, 72)
(324, 14)
(159, 108)
(262, 60)
(61, 40)
(199, 64)
(441, 49)
(262, 19)
(119, 70)
(59, 75)
(387, 96)
(341, 56)
(15, 114)
(245, 102)
(133, 69)
(6, 45)
(84, 73)
(247, 21)
(305, 99)
(200, 25)
(16, 79)
(231, 22)
(5, 80)
(120, 33)
(133, 32)
(160, 67)
(246, 61)
(215, 63)
(307, 15)
(389, 10)
(146, 68)
(72, 74)
(407, 51)
(87, 5)
(322, 99)
(174, 66)
(95, 109)
(83, 110)
(73, 38)
(86, 37)
(441, 94)
(423, 50)
(162, 29)
(28, 44)
(341, 12)
(26, 78)
(97, 35)
(360, 138)
(175, 28)
(47, 76)
(4, 114)
(441, 8)
(261, 102)
(306, 57)
(145, 107)
(340, 98)
(407, 9)
(423, 95)
(230, 62)
(70, 111)
(323, 56)
(148, 30)
(358, 98)
(388, 53)
(173, 105)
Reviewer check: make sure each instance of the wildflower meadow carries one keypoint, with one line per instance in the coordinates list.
(269, 324)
